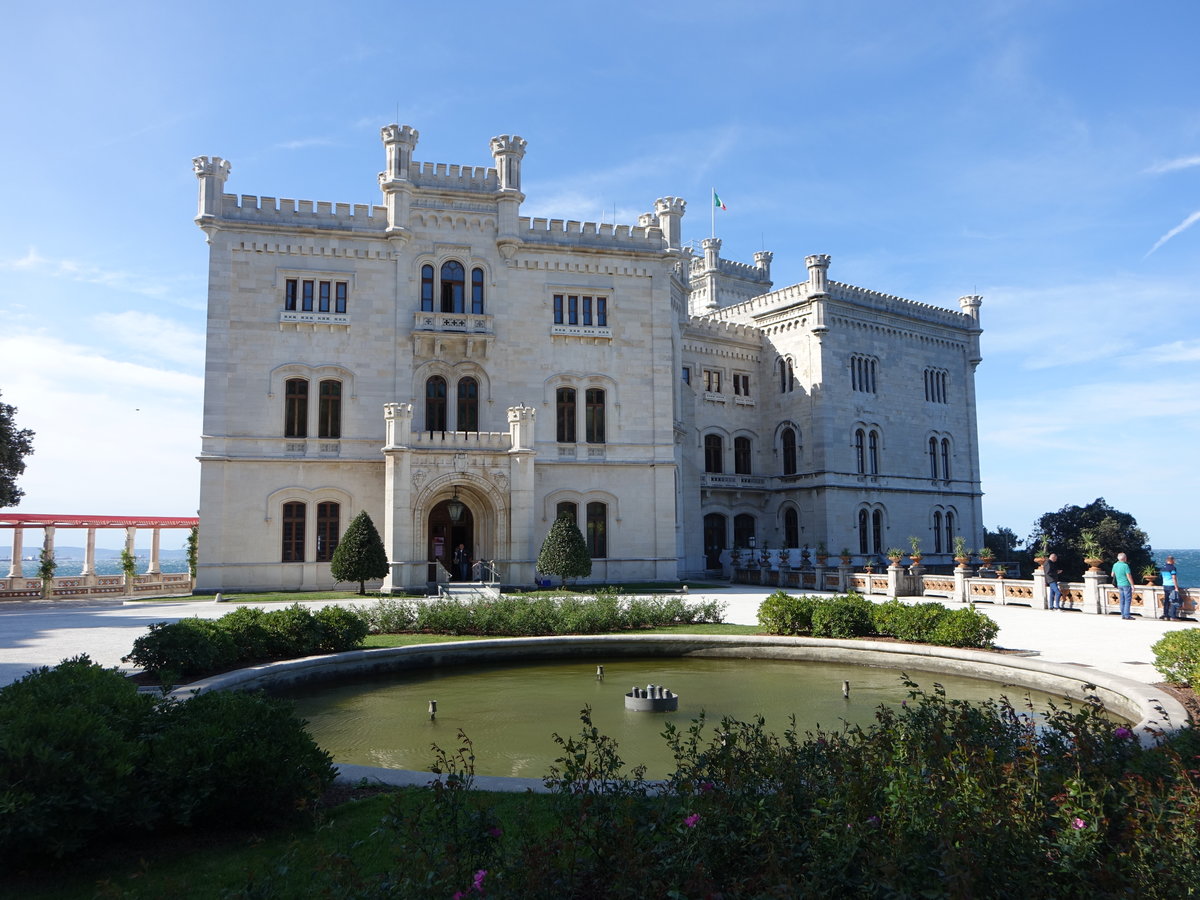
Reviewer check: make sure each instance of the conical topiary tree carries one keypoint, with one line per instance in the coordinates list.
(359, 555)
(563, 552)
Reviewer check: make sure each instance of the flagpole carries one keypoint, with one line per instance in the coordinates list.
(712, 207)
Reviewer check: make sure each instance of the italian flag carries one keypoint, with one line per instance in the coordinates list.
(717, 201)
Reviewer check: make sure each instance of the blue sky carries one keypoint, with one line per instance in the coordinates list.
(1043, 154)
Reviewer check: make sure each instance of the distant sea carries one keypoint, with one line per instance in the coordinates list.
(103, 566)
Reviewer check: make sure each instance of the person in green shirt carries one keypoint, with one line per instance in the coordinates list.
(1124, 579)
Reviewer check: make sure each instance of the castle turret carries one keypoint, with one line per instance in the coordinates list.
(712, 264)
(212, 172)
(762, 262)
(970, 306)
(818, 273)
(399, 141)
(508, 151)
(670, 212)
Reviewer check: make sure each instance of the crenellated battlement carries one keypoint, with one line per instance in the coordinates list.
(478, 179)
(876, 300)
(589, 234)
(732, 268)
(316, 214)
(721, 329)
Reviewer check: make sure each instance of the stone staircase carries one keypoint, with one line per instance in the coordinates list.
(469, 590)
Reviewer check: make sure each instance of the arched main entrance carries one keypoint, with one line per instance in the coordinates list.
(451, 524)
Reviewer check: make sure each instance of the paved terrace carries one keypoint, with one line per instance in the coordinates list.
(41, 633)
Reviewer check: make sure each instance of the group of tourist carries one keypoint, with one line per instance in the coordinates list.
(1172, 599)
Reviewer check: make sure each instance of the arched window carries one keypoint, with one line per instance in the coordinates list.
(594, 415)
(937, 532)
(743, 530)
(329, 410)
(477, 291)
(860, 457)
(295, 408)
(873, 454)
(453, 276)
(783, 379)
(714, 539)
(569, 509)
(426, 288)
(565, 414)
(468, 405)
(328, 515)
(741, 456)
(791, 528)
(597, 530)
(293, 532)
(789, 452)
(933, 457)
(949, 531)
(877, 531)
(946, 458)
(714, 454)
(435, 403)
(863, 544)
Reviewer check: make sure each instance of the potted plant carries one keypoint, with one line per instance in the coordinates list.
(914, 544)
(735, 556)
(764, 556)
(962, 555)
(895, 554)
(785, 558)
(1149, 573)
(1001, 571)
(846, 556)
(1043, 549)
(987, 557)
(822, 554)
(1092, 554)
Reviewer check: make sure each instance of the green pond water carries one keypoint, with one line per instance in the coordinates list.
(511, 711)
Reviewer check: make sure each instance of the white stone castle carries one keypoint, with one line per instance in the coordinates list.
(466, 375)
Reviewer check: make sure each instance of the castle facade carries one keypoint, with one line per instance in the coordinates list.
(466, 375)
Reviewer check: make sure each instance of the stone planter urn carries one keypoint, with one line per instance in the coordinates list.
(1093, 563)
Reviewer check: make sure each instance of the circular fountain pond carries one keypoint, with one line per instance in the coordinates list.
(511, 710)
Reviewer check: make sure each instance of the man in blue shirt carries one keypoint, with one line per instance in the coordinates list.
(1170, 577)
(1124, 579)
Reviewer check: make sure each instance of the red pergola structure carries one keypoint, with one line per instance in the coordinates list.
(48, 523)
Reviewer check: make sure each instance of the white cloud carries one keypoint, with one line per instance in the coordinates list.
(153, 335)
(1173, 165)
(305, 143)
(1181, 227)
(127, 281)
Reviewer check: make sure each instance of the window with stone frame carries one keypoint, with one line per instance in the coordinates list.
(935, 385)
(742, 453)
(741, 384)
(453, 283)
(435, 403)
(597, 530)
(937, 531)
(328, 516)
(791, 528)
(568, 508)
(295, 408)
(585, 310)
(788, 439)
(467, 410)
(862, 373)
(477, 292)
(744, 530)
(564, 419)
(315, 295)
(712, 381)
(594, 415)
(292, 518)
(864, 545)
(329, 410)
(714, 454)
(427, 288)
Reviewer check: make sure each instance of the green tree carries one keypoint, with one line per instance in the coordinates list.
(359, 555)
(1115, 532)
(15, 445)
(1003, 541)
(564, 552)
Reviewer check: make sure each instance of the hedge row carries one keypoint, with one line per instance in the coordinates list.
(1177, 657)
(537, 615)
(852, 615)
(196, 647)
(83, 755)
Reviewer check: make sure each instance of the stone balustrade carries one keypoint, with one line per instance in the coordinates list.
(62, 587)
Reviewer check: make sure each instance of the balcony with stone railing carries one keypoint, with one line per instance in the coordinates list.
(713, 481)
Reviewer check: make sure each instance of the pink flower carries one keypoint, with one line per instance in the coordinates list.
(478, 882)
(691, 820)
(1078, 823)
(495, 831)
(707, 786)
(1123, 732)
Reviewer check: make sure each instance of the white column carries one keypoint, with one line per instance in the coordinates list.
(89, 559)
(48, 540)
(14, 569)
(154, 570)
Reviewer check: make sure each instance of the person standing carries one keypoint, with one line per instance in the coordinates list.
(1170, 577)
(1050, 566)
(1124, 578)
(461, 562)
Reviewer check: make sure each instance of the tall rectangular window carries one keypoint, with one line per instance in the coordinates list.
(572, 309)
(565, 415)
(568, 509)
(558, 309)
(323, 301)
(602, 312)
(340, 297)
(597, 530)
(289, 294)
(741, 384)
(295, 408)
(327, 530)
(712, 381)
(741, 455)
(307, 296)
(293, 532)
(594, 415)
(587, 310)
(329, 410)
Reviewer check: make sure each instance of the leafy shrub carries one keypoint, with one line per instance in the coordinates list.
(388, 615)
(69, 749)
(247, 628)
(1177, 656)
(842, 617)
(918, 622)
(293, 632)
(444, 617)
(341, 629)
(187, 647)
(966, 627)
(223, 758)
(781, 613)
